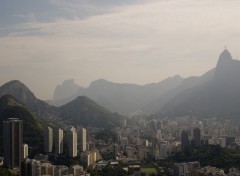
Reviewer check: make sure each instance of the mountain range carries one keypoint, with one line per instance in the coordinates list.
(22, 93)
(17, 101)
(81, 111)
(215, 93)
(121, 98)
(217, 97)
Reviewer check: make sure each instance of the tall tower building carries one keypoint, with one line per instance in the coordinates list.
(184, 140)
(59, 141)
(72, 142)
(83, 139)
(196, 137)
(25, 151)
(48, 140)
(12, 142)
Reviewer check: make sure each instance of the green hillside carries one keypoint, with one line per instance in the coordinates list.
(84, 111)
(32, 126)
(23, 94)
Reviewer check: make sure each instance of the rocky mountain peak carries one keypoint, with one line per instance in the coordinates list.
(227, 68)
(224, 58)
(67, 89)
(18, 90)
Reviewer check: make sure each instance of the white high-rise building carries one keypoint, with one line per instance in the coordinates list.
(59, 141)
(25, 151)
(83, 139)
(48, 140)
(72, 142)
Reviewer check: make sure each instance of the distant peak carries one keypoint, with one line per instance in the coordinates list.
(15, 83)
(224, 58)
(82, 98)
(177, 77)
(225, 55)
(100, 82)
(69, 81)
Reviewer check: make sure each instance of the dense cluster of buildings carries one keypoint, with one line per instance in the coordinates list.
(72, 141)
(157, 139)
(33, 167)
(16, 152)
(180, 169)
(149, 139)
(140, 140)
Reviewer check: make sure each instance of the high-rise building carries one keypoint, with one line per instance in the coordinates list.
(25, 151)
(163, 150)
(115, 150)
(153, 125)
(196, 137)
(72, 142)
(184, 140)
(59, 141)
(83, 139)
(13, 141)
(48, 140)
(159, 125)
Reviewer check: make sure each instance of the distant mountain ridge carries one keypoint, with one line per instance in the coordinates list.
(66, 90)
(215, 93)
(186, 84)
(218, 97)
(16, 94)
(122, 98)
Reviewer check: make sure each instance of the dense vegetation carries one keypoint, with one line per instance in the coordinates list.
(109, 170)
(5, 172)
(210, 155)
(106, 135)
(33, 127)
(22, 93)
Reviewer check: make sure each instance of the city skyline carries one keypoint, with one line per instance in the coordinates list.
(138, 141)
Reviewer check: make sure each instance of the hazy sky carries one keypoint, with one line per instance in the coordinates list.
(43, 42)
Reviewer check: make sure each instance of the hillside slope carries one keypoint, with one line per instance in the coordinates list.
(84, 111)
(32, 126)
(218, 97)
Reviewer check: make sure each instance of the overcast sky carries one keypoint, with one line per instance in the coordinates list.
(44, 42)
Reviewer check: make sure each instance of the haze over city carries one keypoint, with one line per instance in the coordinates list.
(42, 43)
